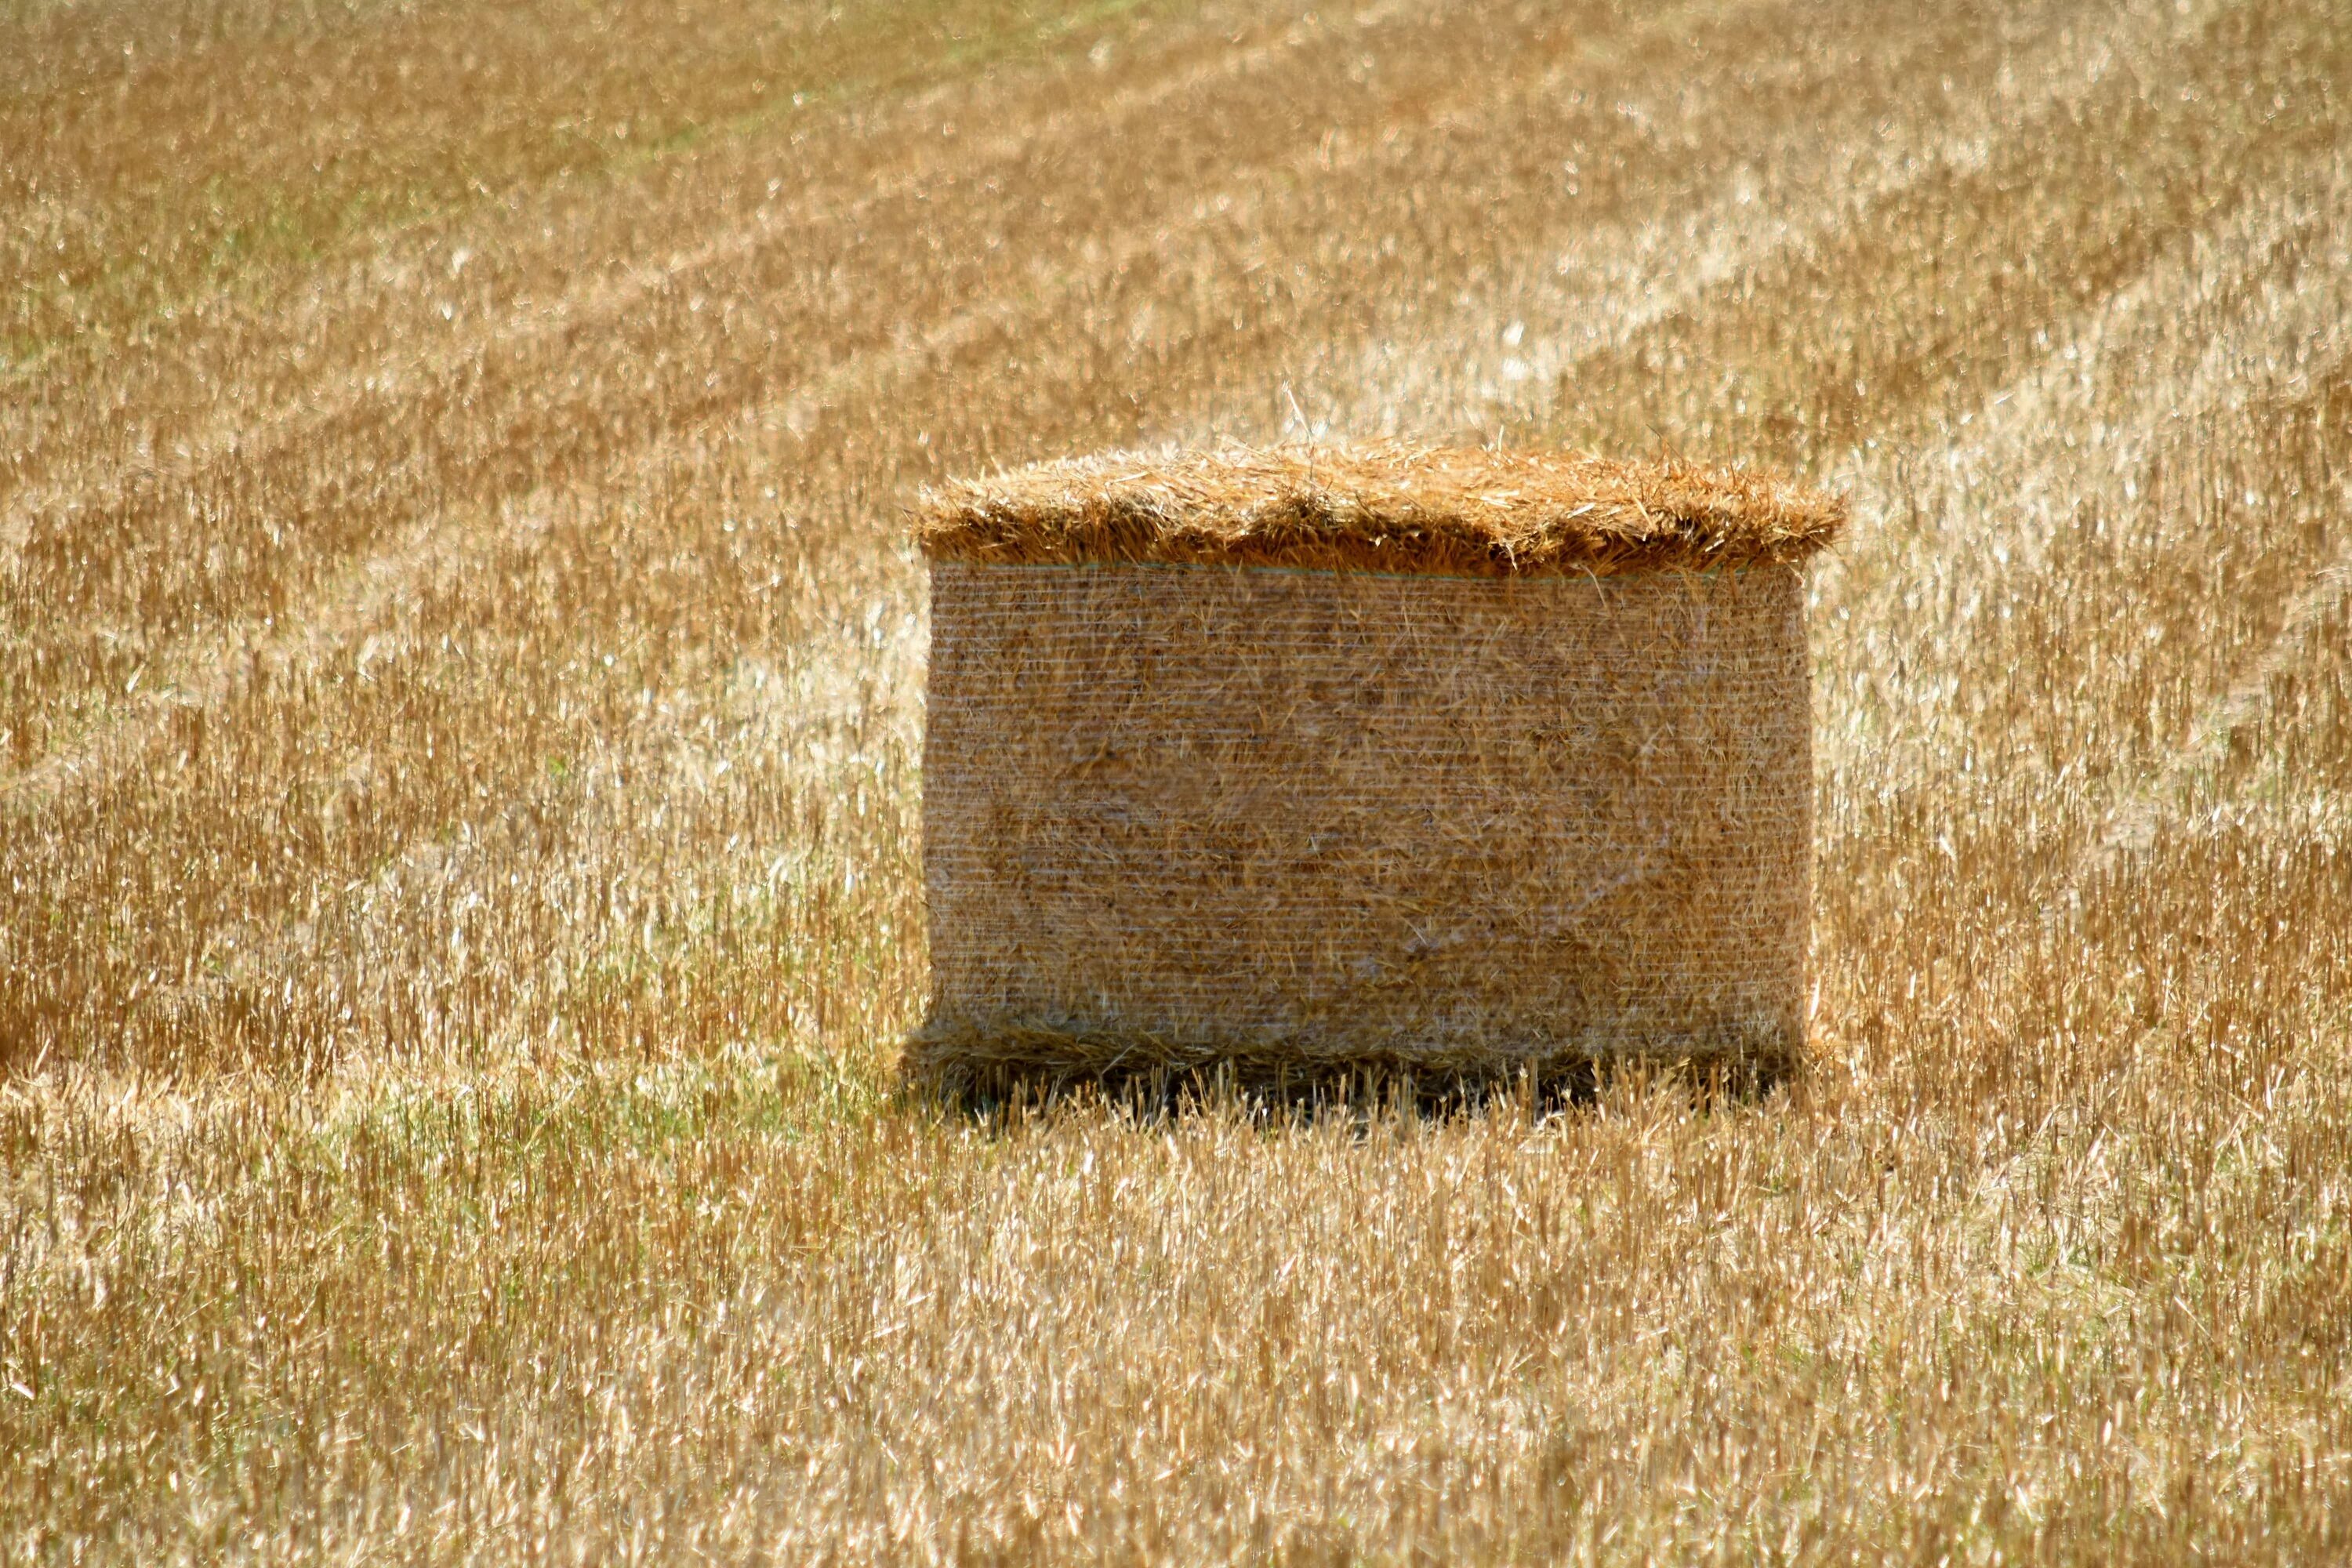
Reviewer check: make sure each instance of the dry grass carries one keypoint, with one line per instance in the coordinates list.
(459, 699)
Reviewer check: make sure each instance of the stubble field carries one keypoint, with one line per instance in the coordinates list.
(461, 714)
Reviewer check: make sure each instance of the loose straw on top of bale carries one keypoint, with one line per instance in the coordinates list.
(1383, 507)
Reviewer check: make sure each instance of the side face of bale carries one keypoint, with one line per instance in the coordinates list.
(1290, 820)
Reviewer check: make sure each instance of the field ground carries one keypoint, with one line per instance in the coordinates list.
(460, 710)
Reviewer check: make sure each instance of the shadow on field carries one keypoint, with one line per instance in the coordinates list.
(1361, 1095)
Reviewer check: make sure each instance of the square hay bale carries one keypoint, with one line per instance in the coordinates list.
(1311, 760)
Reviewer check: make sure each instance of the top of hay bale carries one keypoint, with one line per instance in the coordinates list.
(1381, 507)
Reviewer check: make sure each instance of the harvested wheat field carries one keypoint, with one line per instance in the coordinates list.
(461, 672)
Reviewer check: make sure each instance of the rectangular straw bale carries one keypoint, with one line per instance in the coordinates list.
(1286, 820)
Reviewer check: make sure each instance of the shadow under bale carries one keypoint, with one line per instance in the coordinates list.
(1041, 1070)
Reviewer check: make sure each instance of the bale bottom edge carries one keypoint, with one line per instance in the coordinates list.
(1001, 1060)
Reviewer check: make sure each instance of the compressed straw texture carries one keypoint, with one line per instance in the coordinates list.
(1290, 821)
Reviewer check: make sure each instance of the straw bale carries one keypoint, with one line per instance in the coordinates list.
(1287, 821)
(1384, 507)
